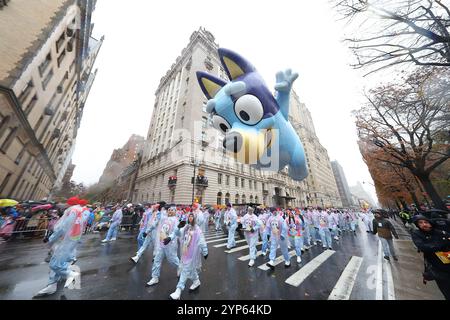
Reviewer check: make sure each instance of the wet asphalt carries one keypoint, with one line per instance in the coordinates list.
(108, 273)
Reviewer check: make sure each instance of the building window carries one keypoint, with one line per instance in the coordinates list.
(227, 198)
(249, 184)
(26, 91)
(243, 198)
(256, 199)
(227, 181)
(5, 182)
(219, 198)
(31, 104)
(8, 140)
(47, 79)
(236, 199)
(20, 156)
(44, 65)
(256, 185)
(38, 124)
(242, 182)
(251, 199)
(236, 182)
(219, 178)
(60, 41)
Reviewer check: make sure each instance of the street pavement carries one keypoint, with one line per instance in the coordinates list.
(353, 270)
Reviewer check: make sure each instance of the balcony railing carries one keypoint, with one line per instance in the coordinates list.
(172, 181)
(200, 181)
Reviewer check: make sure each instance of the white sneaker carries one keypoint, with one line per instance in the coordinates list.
(263, 254)
(271, 264)
(113, 239)
(336, 238)
(104, 240)
(287, 264)
(50, 289)
(299, 259)
(251, 263)
(153, 281)
(71, 277)
(135, 258)
(315, 243)
(195, 285)
(176, 295)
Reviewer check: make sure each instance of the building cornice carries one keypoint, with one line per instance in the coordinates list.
(30, 53)
(42, 157)
(196, 37)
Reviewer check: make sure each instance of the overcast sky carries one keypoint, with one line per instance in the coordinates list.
(143, 39)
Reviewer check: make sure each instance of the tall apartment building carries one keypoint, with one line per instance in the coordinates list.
(122, 158)
(341, 181)
(184, 158)
(321, 185)
(360, 193)
(46, 72)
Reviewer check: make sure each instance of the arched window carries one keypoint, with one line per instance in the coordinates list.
(227, 198)
(236, 199)
(243, 198)
(219, 198)
(256, 199)
(251, 198)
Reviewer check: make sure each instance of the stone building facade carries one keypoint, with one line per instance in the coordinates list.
(46, 72)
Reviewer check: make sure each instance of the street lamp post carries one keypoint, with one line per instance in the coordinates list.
(195, 163)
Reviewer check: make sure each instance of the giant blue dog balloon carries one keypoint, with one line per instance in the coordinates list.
(255, 123)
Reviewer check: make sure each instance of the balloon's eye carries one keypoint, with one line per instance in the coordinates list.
(249, 109)
(220, 123)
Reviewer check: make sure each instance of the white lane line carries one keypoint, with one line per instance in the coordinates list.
(297, 278)
(217, 240)
(215, 237)
(247, 257)
(344, 286)
(379, 285)
(390, 281)
(223, 245)
(241, 248)
(278, 260)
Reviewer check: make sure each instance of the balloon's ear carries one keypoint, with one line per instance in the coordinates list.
(234, 64)
(210, 84)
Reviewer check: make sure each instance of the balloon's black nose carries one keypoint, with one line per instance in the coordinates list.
(233, 142)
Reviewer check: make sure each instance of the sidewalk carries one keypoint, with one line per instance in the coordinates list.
(408, 270)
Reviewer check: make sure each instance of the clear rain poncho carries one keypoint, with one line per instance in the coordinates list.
(192, 247)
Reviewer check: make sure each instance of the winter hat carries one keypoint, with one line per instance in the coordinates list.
(73, 201)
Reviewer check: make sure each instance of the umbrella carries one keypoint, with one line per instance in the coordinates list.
(8, 203)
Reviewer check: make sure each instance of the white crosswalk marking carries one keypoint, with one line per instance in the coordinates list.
(390, 281)
(223, 245)
(217, 240)
(379, 285)
(247, 257)
(240, 248)
(278, 260)
(297, 278)
(215, 237)
(344, 286)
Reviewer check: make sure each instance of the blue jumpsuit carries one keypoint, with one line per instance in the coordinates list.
(277, 228)
(166, 227)
(263, 231)
(116, 220)
(230, 221)
(251, 221)
(295, 237)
